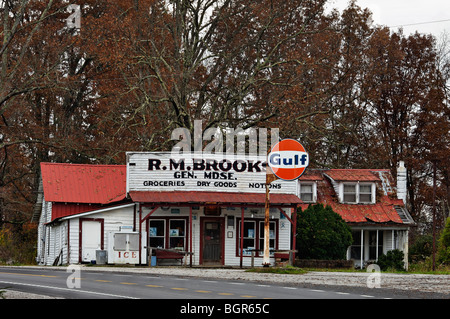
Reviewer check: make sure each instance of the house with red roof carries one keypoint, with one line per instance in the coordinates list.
(369, 201)
(161, 210)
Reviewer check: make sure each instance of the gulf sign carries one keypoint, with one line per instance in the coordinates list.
(288, 159)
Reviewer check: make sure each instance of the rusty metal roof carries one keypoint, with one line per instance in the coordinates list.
(69, 209)
(382, 211)
(93, 186)
(205, 198)
(83, 183)
(353, 175)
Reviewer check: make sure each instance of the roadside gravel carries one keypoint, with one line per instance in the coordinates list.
(424, 283)
(12, 294)
(436, 284)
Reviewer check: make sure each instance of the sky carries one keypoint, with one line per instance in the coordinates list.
(414, 15)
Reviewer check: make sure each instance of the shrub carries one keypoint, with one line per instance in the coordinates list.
(392, 260)
(421, 249)
(443, 253)
(18, 243)
(322, 234)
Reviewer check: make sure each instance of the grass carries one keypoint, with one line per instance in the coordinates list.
(418, 268)
(426, 268)
(289, 270)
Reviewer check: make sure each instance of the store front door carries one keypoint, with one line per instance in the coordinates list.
(212, 241)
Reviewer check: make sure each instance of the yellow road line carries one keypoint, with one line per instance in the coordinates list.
(13, 273)
(246, 296)
(203, 291)
(128, 283)
(154, 286)
(103, 280)
(179, 288)
(225, 293)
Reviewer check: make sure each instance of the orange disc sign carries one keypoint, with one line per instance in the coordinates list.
(288, 159)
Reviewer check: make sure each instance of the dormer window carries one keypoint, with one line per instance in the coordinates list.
(350, 193)
(365, 193)
(358, 193)
(308, 192)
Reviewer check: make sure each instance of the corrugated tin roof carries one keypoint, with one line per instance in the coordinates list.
(83, 183)
(69, 209)
(383, 211)
(213, 197)
(311, 175)
(353, 175)
(106, 184)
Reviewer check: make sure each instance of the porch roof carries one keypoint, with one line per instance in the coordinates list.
(214, 198)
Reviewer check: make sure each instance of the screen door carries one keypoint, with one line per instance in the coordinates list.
(212, 242)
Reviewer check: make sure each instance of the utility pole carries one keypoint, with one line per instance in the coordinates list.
(434, 215)
(266, 260)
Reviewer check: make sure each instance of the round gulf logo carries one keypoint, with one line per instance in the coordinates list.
(288, 159)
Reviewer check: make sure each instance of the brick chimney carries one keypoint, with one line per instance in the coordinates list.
(401, 181)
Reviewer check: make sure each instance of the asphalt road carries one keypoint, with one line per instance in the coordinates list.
(87, 284)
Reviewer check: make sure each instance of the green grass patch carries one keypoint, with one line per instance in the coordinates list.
(278, 270)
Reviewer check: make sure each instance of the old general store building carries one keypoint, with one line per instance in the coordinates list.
(157, 209)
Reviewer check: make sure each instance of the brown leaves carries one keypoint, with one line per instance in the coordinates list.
(355, 94)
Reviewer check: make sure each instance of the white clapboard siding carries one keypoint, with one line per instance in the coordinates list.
(141, 178)
(230, 253)
(44, 233)
(112, 221)
(65, 235)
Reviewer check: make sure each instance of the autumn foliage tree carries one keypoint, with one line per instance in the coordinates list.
(356, 94)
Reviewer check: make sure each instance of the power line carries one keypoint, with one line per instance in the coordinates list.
(419, 23)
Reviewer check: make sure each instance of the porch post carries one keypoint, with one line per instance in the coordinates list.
(362, 248)
(140, 233)
(376, 250)
(392, 240)
(294, 232)
(190, 236)
(242, 236)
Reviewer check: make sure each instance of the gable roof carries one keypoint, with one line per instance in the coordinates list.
(83, 183)
(353, 175)
(384, 210)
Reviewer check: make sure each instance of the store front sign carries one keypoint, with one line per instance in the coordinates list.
(164, 171)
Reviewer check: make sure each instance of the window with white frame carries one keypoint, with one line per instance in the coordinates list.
(350, 193)
(365, 193)
(272, 236)
(358, 193)
(308, 192)
(177, 233)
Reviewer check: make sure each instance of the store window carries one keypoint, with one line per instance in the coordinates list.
(253, 239)
(168, 233)
(249, 242)
(157, 233)
(177, 233)
(272, 237)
